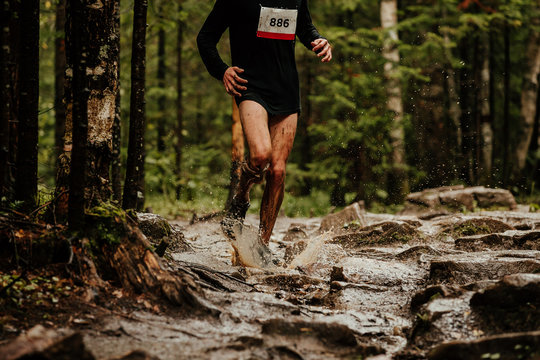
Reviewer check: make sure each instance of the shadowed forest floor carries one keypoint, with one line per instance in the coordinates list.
(394, 287)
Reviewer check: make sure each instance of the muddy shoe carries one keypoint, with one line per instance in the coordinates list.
(249, 249)
(235, 215)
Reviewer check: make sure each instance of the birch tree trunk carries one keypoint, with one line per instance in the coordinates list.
(92, 48)
(26, 166)
(397, 182)
(528, 100)
(134, 184)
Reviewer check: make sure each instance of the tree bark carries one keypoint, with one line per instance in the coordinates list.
(306, 155)
(116, 167)
(161, 102)
(467, 125)
(59, 71)
(6, 82)
(134, 184)
(237, 153)
(529, 95)
(179, 102)
(506, 106)
(398, 185)
(77, 54)
(486, 121)
(26, 178)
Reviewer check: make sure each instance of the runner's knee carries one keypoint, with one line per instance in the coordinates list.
(277, 172)
(260, 160)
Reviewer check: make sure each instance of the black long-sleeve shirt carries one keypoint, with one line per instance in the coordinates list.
(262, 45)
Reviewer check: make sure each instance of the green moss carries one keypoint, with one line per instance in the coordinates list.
(467, 229)
(105, 226)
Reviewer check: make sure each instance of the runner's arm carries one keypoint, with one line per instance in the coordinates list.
(305, 30)
(214, 26)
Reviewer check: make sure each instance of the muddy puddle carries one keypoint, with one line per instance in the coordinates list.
(394, 288)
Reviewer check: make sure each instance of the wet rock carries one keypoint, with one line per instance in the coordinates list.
(518, 240)
(292, 282)
(476, 226)
(153, 226)
(490, 198)
(336, 338)
(385, 233)
(503, 347)
(295, 232)
(40, 343)
(511, 303)
(432, 292)
(136, 355)
(352, 213)
(416, 251)
(463, 272)
(337, 274)
(457, 198)
(292, 250)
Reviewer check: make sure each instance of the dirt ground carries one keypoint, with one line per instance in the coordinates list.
(395, 287)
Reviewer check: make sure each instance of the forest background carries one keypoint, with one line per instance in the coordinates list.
(466, 76)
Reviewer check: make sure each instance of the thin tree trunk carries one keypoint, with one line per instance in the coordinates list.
(528, 100)
(306, 155)
(134, 184)
(466, 118)
(237, 152)
(506, 106)
(26, 179)
(397, 182)
(59, 71)
(486, 123)
(179, 102)
(116, 167)
(5, 96)
(161, 102)
(77, 54)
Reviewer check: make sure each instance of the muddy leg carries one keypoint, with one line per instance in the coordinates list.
(255, 124)
(282, 132)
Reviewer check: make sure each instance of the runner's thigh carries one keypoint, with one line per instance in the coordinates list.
(254, 120)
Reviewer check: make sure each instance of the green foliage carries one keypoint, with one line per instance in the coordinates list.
(348, 126)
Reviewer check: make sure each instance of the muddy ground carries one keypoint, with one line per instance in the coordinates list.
(455, 286)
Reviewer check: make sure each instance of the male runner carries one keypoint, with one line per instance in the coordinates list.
(264, 81)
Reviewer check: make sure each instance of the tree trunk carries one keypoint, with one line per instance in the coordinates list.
(134, 184)
(306, 155)
(529, 95)
(77, 55)
(179, 102)
(486, 122)
(59, 71)
(6, 105)
(237, 152)
(398, 185)
(116, 167)
(161, 102)
(26, 178)
(466, 112)
(506, 106)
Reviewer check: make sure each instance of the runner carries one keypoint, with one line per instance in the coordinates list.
(264, 81)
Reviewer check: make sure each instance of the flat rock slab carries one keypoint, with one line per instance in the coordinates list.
(460, 269)
(503, 347)
(385, 233)
(475, 226)
(512, 239)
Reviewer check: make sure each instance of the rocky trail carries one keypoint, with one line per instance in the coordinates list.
(428, 283)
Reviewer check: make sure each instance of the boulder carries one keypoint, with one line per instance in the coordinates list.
(352, 213)
(162, 234)
(295, 232)
(475, 226)
(457, 198)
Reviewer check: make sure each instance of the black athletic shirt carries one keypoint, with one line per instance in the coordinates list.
(269, 63)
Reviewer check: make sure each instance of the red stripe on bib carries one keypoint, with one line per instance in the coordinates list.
(277, 36)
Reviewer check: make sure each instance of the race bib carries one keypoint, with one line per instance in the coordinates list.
(277, 24)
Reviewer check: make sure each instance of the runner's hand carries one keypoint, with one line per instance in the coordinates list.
(233, 82)
(322, 48)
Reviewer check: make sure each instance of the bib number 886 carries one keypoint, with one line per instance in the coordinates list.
(279, 22)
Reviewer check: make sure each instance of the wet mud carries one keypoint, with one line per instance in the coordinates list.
(389, 287)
